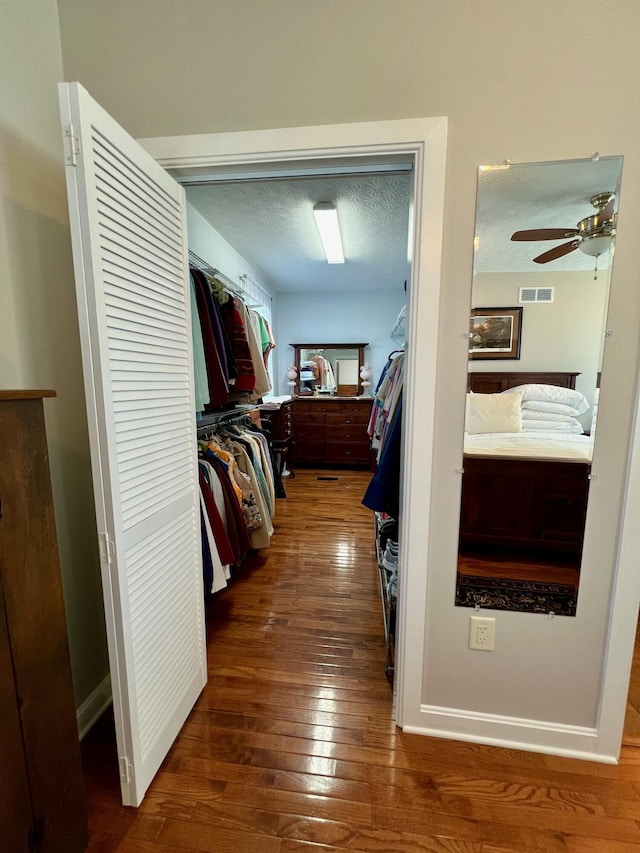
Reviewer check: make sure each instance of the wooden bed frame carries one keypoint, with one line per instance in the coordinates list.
(533, 505)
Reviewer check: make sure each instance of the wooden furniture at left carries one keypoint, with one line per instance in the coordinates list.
(42, 806)
(280, 423)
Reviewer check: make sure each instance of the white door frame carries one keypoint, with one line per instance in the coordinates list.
(425, 140)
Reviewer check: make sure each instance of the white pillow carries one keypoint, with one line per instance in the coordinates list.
(552, 408)
(551, 426)
(551, 394)
(493, 413)
(532, 415)
(596, 400)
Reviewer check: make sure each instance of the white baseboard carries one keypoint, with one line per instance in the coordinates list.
(94, 706)
(511, 733)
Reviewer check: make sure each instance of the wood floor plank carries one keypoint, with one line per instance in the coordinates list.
(291, 747)
(342, 836)
(212, 838)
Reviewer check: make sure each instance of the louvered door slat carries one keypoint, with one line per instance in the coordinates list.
(129, 241)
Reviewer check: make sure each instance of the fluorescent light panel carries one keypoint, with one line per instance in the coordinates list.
(327, 221)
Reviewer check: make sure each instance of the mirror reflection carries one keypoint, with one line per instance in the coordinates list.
(542, 269)
(331, 370)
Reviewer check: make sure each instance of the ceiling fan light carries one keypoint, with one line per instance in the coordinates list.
(596, 245)
(329, 229)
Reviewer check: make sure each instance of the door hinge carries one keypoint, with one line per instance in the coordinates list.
(71, 145)
(107, 548)
(126, 770)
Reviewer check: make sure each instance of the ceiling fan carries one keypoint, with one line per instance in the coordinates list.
(592, 235)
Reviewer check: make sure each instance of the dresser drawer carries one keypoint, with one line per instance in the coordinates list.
(347, 451)
(354, 408)
(307, 418)
(321, 407)
(348, 418)
(309, 432)
(347, 432)
(310, 451)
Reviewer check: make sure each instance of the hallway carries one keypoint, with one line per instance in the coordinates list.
(291, 747)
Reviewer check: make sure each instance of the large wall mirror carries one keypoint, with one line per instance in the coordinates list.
(543, 254)
(328, 370)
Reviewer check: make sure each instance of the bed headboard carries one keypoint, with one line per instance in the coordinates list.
(495, 383)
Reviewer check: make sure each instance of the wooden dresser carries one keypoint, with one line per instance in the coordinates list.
(41, 797)
(332, 431)
(280, 423)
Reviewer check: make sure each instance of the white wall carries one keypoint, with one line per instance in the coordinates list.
(337, 318)
(39, 342)
(494, 69)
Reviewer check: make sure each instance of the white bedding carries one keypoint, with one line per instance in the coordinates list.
(566, 447)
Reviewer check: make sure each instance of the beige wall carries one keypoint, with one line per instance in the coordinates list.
(529, 81)
(566, 334)
(39, 344)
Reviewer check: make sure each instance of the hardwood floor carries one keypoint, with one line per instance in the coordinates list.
(632, 716)
(519, 566)
(291, 747)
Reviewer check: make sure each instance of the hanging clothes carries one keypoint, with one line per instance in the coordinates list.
(263, 383)
(234, 324)
(201, 382)
(235, 465)
(235, 341)
(385, 431)
(217, 381)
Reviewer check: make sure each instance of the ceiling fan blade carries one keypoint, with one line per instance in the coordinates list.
(557, 252)
(544, 234)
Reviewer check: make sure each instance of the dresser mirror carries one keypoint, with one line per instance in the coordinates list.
(328, 370)
(543, 253)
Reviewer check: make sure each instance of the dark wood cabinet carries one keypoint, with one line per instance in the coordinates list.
(279, 422)
(332, 431)
(42, 797)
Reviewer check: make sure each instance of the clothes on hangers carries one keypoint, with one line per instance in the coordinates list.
(385, 431)
(235, 342)
(238, 491)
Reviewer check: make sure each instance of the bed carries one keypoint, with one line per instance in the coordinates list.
(525, 490)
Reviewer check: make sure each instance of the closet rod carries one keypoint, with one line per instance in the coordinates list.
(205, 268)
(237, 289)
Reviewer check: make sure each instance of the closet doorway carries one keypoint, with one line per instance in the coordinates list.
(264, 219)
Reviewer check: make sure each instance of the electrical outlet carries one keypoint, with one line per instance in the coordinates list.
(482, 633)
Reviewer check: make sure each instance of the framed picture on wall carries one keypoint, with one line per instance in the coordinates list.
(495, 333)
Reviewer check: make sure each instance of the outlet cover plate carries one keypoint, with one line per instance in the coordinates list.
(482, 633)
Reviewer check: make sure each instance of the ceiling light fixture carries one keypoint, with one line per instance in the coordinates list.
(327, 221)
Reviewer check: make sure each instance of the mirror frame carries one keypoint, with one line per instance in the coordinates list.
(298, 347)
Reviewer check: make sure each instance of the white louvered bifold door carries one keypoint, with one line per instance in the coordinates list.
(129, 245)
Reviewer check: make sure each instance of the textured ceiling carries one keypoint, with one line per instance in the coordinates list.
(270, 221)
(538, 195)
(271, 224)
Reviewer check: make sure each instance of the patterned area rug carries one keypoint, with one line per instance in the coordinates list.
(506, 594)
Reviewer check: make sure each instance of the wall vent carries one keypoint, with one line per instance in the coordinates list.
(536, 294)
